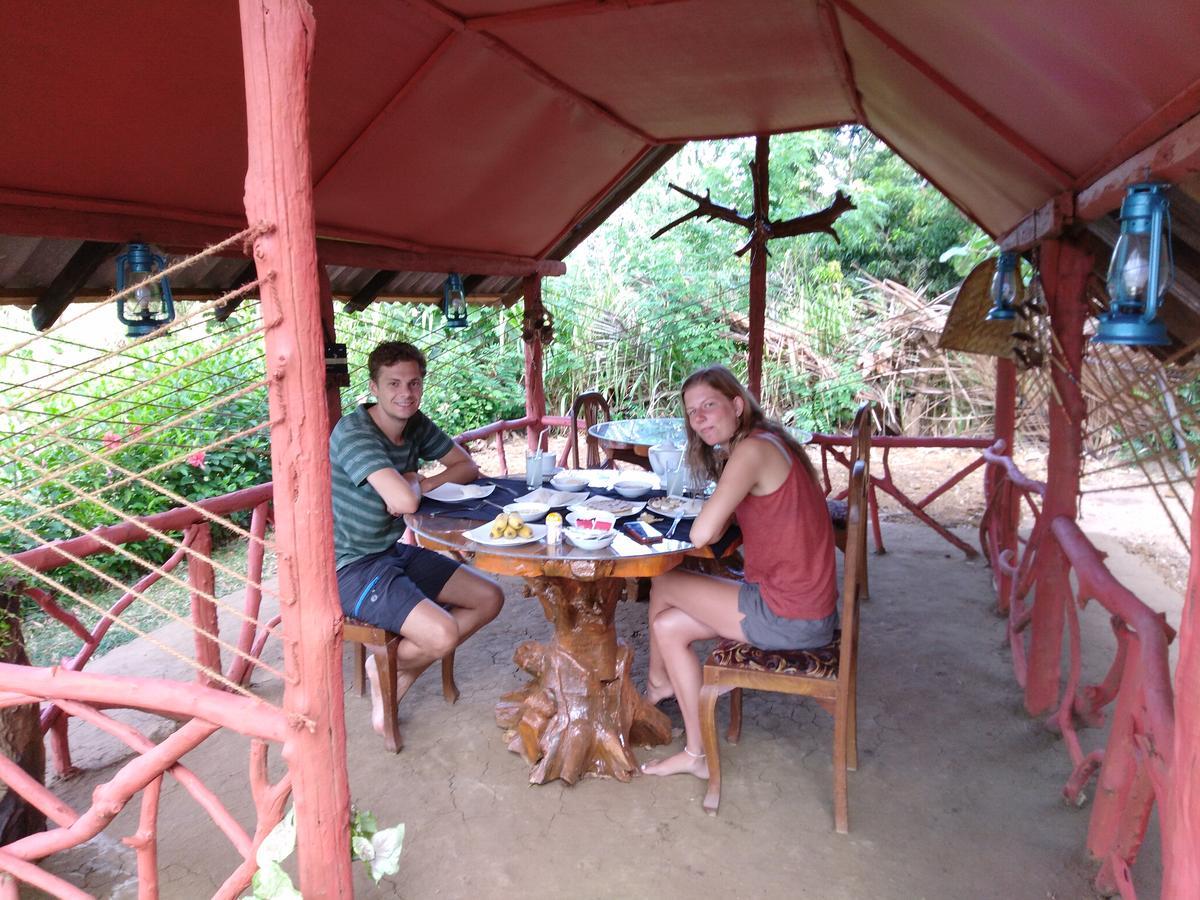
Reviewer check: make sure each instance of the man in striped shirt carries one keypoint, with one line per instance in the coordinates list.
(433, 603)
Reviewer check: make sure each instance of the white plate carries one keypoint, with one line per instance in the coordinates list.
(691, 508)
(572, 518)
(482, 535)
(634, 506)
(460, 493)
(552, 498)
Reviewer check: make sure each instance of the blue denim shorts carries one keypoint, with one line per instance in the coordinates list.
(768, 631)
(383, 588)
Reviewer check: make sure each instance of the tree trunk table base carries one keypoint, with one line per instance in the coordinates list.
(581, 714)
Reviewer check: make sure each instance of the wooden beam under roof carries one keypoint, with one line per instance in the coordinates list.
(26, 298)
(67, 283)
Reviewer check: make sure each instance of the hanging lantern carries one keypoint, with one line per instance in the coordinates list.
(454, 301)
(150, 307)
(1006, 285)
(1140, 271)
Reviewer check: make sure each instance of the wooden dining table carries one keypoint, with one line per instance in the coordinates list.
(580, 714)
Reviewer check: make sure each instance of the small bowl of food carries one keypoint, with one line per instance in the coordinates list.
(632, 488)
(528, 510)
(589, 538)
(569, 481)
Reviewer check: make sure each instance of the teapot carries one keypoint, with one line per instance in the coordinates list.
(665, 458)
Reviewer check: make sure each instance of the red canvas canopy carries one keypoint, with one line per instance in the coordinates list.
(499, 133)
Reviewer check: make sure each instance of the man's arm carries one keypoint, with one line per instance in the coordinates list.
(459, 468)
(400, 493)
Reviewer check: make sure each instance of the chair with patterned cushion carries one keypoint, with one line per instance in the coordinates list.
(827, 674)
(590, 404)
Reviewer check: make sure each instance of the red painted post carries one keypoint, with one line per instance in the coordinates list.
(202, 581)
(1181, 812)
(758, 265)
(1065, 267)
(277, 49)
(535, 387)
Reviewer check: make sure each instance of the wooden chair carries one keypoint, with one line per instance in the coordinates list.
(827, 674)
(591, 404)
(860, 448)
(382, 644)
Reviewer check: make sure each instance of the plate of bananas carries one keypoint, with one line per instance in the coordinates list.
(506, 530)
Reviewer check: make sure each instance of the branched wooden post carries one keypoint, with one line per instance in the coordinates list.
(535, 387)
(762, 230)
(277, 47)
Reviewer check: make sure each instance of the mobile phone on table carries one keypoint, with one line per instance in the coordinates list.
(642, 532)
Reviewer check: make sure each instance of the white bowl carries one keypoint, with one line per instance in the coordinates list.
(589, 538)
(548, 472)
(568, 481)
(632, 488)
(528, 510)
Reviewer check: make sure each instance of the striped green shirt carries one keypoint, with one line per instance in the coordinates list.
(361, 523)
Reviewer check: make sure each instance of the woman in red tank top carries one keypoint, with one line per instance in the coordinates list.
(789, 597)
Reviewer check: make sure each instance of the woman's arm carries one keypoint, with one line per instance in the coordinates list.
(740, 476)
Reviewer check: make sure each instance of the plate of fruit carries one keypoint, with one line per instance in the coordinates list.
(506, 530)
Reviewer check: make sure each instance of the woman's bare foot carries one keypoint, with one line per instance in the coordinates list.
(685, 762)
(657, 693)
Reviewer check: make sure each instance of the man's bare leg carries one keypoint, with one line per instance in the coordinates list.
(430, 632)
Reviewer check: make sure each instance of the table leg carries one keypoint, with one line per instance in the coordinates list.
(580, 714)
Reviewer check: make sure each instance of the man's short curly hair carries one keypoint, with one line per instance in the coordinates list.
(391, 352)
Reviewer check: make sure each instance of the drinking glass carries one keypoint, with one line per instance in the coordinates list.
(533, 469)
(674, 480)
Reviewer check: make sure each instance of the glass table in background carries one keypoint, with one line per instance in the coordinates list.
(630, 440)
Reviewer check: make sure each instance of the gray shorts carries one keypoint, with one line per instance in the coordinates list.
(768, 631)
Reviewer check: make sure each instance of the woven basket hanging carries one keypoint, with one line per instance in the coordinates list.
(967, 326)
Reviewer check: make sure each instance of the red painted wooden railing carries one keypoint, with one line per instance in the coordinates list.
(1134, 767)
(66, 690)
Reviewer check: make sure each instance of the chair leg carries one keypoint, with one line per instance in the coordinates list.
(360, 668)
(449, 688)
(841, 804)
(864, 586)
(712, 747)
(734, 733)
(852, 733)
(386, 670)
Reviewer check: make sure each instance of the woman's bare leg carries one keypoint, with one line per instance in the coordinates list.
(695, 608)
(677, 589)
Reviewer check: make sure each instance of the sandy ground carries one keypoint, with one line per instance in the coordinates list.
(957, 794)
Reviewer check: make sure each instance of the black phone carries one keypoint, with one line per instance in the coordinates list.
(642, 533)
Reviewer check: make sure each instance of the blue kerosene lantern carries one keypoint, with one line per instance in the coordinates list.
(1140, 271)
(150, 307)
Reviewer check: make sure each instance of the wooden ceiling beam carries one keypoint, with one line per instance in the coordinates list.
(25, 298)
(1173, 157)
(74, 275)
(338, 247)
(247, 274)
(1007, 134)
(364, 296)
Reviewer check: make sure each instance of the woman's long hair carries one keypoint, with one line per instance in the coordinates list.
(705, 459)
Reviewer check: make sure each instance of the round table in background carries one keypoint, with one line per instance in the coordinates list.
(630, 440)
(580, 714)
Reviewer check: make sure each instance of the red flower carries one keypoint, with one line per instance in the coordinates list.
(196, 459)
(111, 440)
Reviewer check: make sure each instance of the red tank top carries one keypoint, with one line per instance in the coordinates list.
(787, 542)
